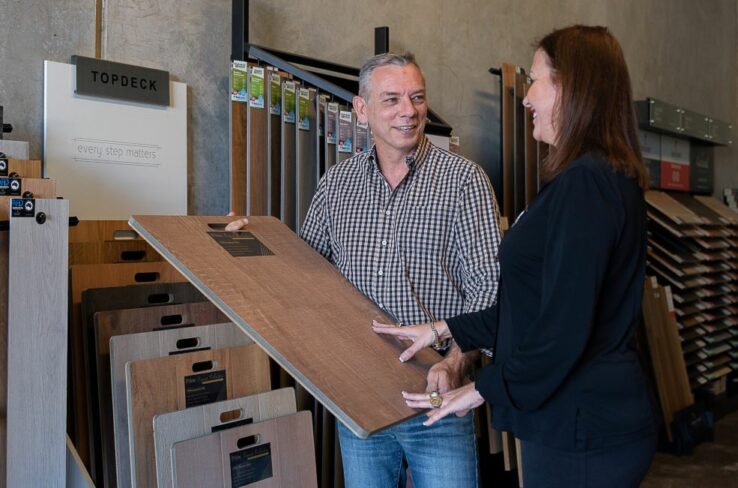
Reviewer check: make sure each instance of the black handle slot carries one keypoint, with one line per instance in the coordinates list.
(146, 277)
(132, 255)
(188, 343)
(247, 441)
(160, 298)
(203, 366)
(171, 319)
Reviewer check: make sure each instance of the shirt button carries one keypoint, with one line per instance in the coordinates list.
(380, 273)
(384, 242)
(388, 212)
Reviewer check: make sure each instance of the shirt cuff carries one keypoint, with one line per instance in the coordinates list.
(456, 327)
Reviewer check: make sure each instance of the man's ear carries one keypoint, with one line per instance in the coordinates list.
(360, 109)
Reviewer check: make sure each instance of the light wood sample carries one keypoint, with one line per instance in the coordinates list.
(355, 373)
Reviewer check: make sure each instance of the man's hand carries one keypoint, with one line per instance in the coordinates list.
(237, 224)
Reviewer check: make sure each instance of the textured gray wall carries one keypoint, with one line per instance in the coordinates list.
(681, 51)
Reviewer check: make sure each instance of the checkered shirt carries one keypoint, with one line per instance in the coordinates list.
(426, 250)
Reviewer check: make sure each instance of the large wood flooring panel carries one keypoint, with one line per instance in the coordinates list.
(345, 145)
(173, 427)
(148, 345)
(101, 230)
(727, 215)
(508, 140)
(289, 156)
(531, 155)
(307, 154)
(90, 276)
(25, 168)
(37, 352)
(519, 117)
(281, 447)
(331, 126)
(238, 157)
(111, 323)
(275, 299)
(3, 325)
(257, 155)
(111, 252)
(165, 384)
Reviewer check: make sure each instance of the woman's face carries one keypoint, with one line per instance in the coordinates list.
(541, 99)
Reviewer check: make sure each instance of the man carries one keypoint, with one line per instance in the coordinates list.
(413, 228)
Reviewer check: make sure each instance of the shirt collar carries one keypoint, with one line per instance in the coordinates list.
(414, 160)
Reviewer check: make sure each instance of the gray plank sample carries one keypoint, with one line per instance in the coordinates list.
(37, 346)
(282, 446)
(173, 427)
(148, 345)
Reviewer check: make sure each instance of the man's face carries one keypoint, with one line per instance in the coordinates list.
(395, 107)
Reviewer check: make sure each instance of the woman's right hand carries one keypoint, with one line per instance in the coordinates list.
(422, 335)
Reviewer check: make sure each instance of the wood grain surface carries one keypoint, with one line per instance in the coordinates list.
(275, 154)
(531, 155)
(276, 299)
(110, 323)
(238, 157)
(173, 427)
(206, 461)
(508, 140)
(519, 147)
(40, 187)
(84, 387)
(257, 155)
(147, 345)
(289, 161)
(37, 347)
(26, 168)
(100, 231)
(156, 386)
(111, 252)
(307, 161)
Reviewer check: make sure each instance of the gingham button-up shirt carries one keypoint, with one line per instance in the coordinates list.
(426, 250)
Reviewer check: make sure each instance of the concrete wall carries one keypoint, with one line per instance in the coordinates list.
(680, 51)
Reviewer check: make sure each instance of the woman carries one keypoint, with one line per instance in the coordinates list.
(566, 377)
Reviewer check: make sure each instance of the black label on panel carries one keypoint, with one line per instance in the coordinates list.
(204, 388)
(106, 79)
(10, 186)
(251, 465)
(230, 425)
(23, 207)
(3, 166)
(241, 243)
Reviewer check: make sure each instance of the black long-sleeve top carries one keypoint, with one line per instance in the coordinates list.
(566, 372)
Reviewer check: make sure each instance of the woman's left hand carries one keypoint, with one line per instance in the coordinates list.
(458, 401)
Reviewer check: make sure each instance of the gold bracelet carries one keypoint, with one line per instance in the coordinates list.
(436, 341)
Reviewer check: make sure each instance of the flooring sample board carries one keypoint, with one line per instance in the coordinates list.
(166, 384)
(274, 453)
(40, 187)
(727, 215)
(257, 161)
(531, 154)
(14, 149)
(173, 427)
(3, 329)
(508, 141)
(307, 153)
(345, 144)
(37, 346)
(148, 345)
(342, 363)
(26, 168)
(519, 180)
(77, 475)
(288, 191)
(84, 277)
(274, 95)
(678, 213)
(331, 126)
(101, 230)
(112, 252)
(110, 323)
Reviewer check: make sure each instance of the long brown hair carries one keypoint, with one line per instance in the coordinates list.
(595, 103)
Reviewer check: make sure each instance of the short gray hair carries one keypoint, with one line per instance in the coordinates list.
(380, 60)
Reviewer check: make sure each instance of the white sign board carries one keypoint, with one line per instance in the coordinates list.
(113, 159)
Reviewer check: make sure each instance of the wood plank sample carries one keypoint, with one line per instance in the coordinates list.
(111, 252)
(678, 213)
(274, 90)
(307, 154)
(257, 143)
(267, 295)
(173, 427)
(519, 146)
(101, 230)
(148, 345)
(238, 157)
(345, 145)
(77, 475)
(289, 153)
(508, 140)
(531, 153)
(280, 453)
(331, 126)
(26, 168)
(40, 187)
(90, 276)
(728, 216)
(165, 384)
(110, 323)
(37, 346)
(3, 331)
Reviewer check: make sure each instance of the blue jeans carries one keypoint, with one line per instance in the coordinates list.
(442, 455)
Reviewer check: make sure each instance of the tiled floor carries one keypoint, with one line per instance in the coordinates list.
(713, 464)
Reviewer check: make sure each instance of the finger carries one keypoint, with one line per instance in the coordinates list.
(433, 380)
(416, 397)
(237, 224)
(424, 404)
(411, 351)
(231, 214)
(444, 383)
(437, 414)
(390, 330)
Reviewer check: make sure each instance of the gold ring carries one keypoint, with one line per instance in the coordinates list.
(436, 400)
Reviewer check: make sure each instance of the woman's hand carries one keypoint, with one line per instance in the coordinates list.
(237, 224)
(421, 335)
(458, 401)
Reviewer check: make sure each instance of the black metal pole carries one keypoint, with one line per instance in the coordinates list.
(381, 40)
(239, 29)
